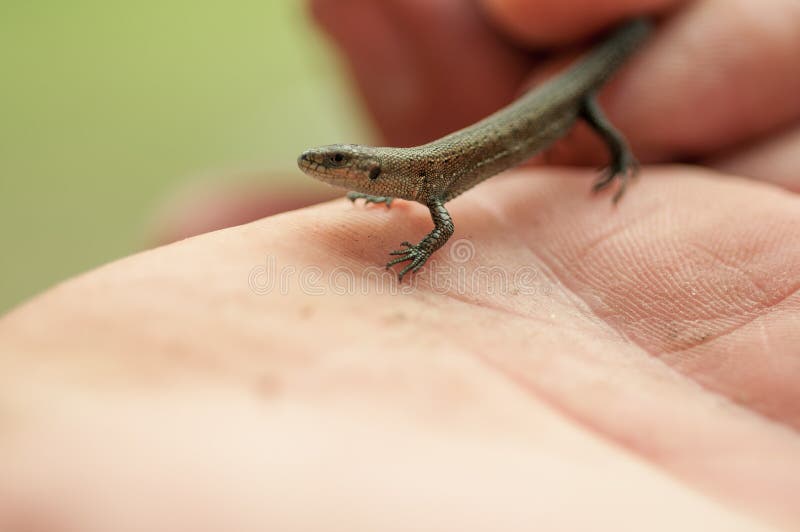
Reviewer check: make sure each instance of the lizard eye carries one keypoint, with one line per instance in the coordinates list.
(337, 158)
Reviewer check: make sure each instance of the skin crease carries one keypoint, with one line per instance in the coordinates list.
(650, 379)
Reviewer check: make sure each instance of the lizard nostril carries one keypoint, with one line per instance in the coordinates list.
(304, 161)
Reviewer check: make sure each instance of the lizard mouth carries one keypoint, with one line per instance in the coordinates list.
(312, 164)
(306, 161)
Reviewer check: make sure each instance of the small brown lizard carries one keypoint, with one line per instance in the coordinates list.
(435, 173)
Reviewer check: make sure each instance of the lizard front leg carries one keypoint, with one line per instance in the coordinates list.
(353, 196)
(417, 254)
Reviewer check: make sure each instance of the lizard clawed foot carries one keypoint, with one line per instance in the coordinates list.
(624, 168)
(353, 196)
(415, 254)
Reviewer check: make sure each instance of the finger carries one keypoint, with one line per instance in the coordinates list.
(721, 73)
(775, 160)
(558, 22)
(714, 77)
(423, 68)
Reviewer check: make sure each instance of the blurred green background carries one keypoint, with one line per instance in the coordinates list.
(106, 107)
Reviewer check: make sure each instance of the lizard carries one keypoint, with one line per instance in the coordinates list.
(435, 173)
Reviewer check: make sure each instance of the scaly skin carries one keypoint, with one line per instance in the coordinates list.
(437, 172)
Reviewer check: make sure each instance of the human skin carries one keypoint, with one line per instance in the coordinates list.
(636, 366)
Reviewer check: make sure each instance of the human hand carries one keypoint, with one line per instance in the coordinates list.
(175, 390)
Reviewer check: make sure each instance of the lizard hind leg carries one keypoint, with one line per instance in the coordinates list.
(353, 196)
(623, 164)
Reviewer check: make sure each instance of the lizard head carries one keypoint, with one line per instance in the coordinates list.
(349, 166)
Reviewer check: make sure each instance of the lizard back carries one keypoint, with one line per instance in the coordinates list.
(517, 132)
